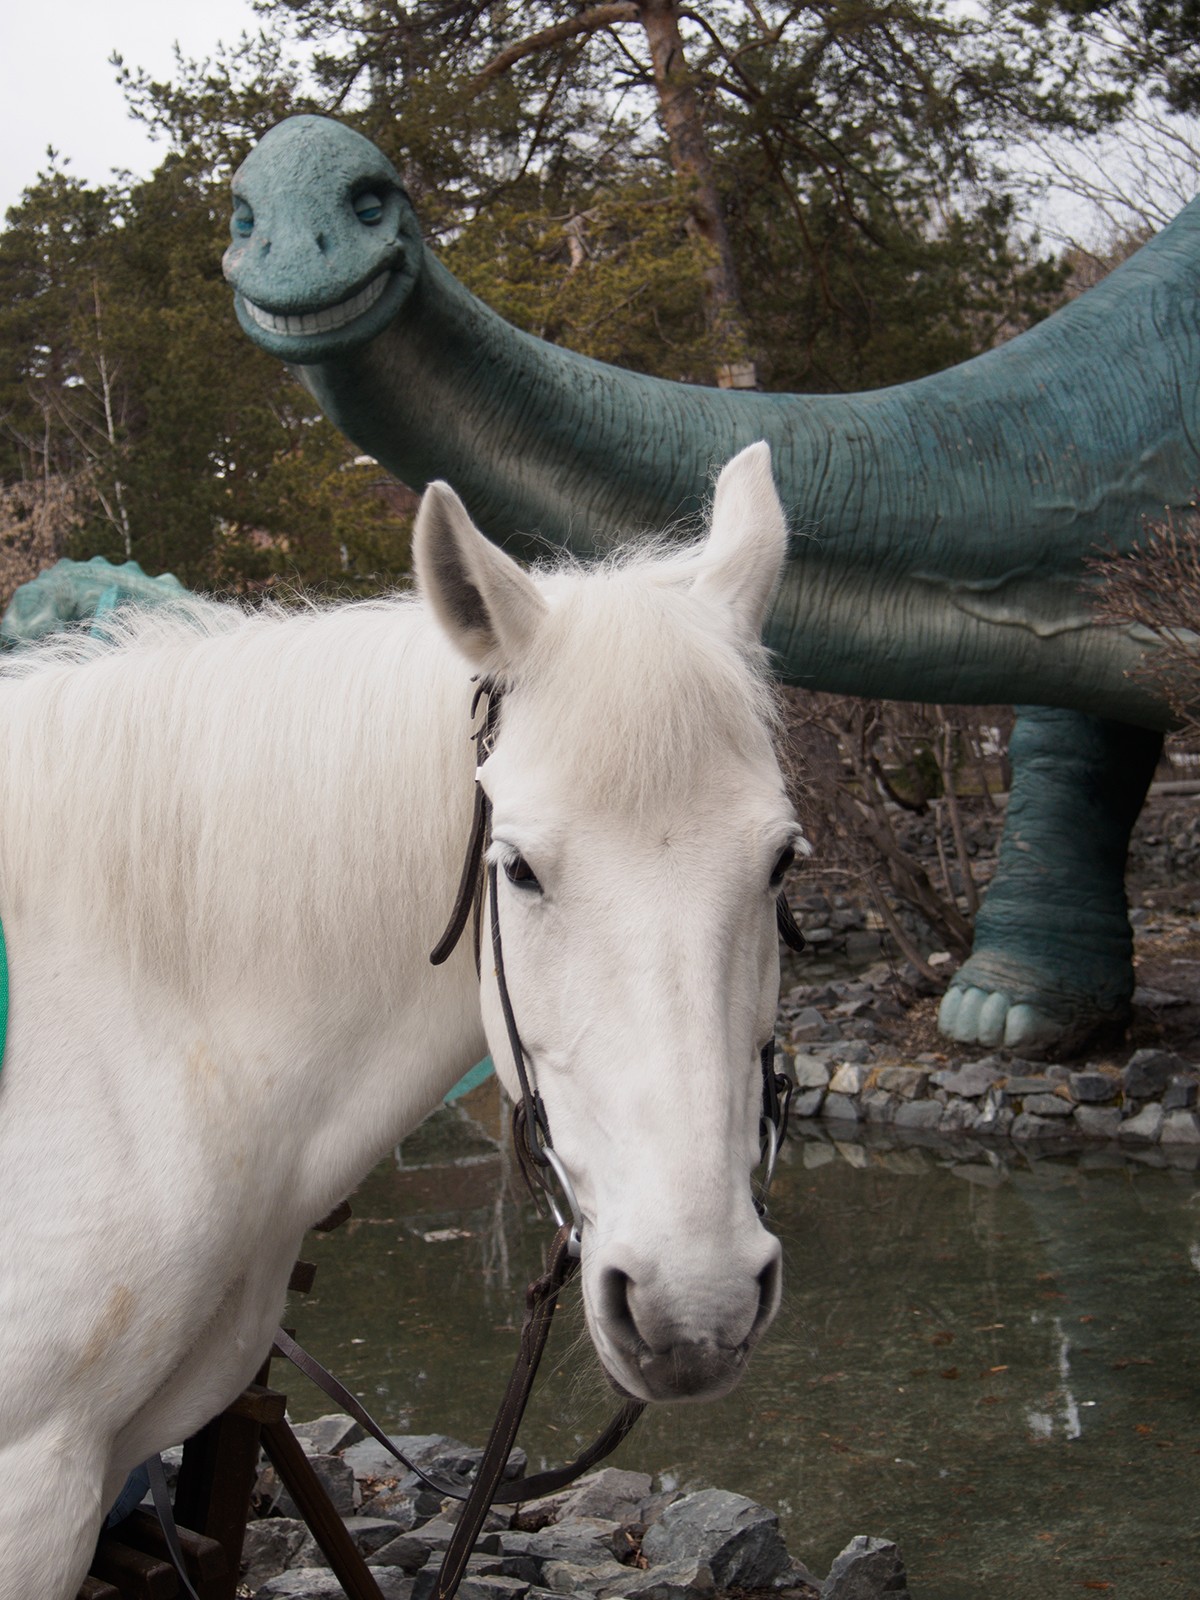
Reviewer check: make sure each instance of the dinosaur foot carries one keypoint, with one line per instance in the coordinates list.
(1002, 1001)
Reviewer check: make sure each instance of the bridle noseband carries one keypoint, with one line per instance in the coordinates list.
(531, 1126)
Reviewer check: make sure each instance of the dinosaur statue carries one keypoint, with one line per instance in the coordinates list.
(941, 526)
(80, 591)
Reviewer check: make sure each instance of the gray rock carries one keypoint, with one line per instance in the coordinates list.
(328, 1435)
(1180, 1127)
(1091, 1087)
(438, 1533)
(918, 1114)
(738, 1541)
(1147, 1073)
(1019, 1084)
(878, 1106)
(490, 1586)
(578, 1539)
(1030, 1126)
(269, 1547)
(408, 1551)
(970, 1082)
(1048, 1105)
(810, 1072)
(807, 1024)
(852, 1050)
(1145, 1127)
(314, 1583)
(333, 1473)
(808, 1102)
(841, 1108)
(910, 1083)
(367, 1534)
(612, 1494)
(569, 1577)
(1157, 999)
(674, 1580)
(1098, 1122)
(848, 1078)
(867, 1569)
(1180, 1094)
(959, 1116)
(995, 1114)
(478, 1583)
(432, 1452)
(403, 1506)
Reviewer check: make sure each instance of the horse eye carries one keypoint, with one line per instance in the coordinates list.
(518, 872)
(368, 208)
(786, 857)
(243, 221)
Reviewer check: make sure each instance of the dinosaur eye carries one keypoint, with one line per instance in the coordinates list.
(368, 208)
(242, 225)
(519, 873)
(780, 870)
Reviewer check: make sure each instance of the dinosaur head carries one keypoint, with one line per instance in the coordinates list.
(325, 247)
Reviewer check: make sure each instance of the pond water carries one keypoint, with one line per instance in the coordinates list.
(995, 1365)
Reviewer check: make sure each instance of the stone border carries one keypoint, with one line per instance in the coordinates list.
(1152, 1100)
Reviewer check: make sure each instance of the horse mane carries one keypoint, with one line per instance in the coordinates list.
(199, 788)
(211, 786)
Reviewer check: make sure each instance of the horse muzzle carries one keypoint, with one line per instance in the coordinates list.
(661, 1339)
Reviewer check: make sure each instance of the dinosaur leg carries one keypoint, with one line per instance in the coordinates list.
(1053, 955)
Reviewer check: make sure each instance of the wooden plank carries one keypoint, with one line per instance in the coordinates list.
(293, 1466)
(303, 1276)
(259, 1404)
(96, 1589)
(135, 1575)
(220, 1466)
(340, 1213)
(205, 1558)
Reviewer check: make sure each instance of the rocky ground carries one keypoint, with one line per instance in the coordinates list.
(865, 1049)
(610, 1535)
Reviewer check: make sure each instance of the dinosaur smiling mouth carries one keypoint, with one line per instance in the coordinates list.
(326, 320)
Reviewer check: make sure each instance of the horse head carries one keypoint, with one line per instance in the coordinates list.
(640, 832)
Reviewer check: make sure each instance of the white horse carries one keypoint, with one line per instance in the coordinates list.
(227, 845)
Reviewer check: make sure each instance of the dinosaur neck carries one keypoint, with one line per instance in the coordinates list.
(941, 525)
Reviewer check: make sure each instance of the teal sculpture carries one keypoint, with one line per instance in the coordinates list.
(81, 591)
(941, 527)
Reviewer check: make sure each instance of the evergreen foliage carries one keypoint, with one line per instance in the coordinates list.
(849, 153)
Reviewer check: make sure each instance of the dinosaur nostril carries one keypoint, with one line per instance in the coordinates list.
(321, 243)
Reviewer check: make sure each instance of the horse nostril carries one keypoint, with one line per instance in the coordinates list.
(770, 1283)
(613, 1296)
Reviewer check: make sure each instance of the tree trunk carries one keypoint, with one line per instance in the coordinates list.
(692, 162)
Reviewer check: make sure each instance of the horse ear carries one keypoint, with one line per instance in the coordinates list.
(489, 606)
(742, 560)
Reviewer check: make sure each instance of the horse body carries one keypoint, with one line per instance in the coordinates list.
(228, 846)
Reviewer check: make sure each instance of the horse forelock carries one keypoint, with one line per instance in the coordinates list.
(639, 687)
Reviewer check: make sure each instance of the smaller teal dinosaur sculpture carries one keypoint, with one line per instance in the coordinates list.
(80, 591)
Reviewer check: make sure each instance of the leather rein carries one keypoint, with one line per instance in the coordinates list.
(547, 1179)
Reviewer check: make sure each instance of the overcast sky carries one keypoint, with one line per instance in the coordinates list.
(57, 87)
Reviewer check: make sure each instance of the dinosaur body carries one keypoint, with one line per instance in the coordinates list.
(940, 527)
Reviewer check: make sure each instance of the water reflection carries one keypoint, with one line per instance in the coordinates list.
(994, 1364)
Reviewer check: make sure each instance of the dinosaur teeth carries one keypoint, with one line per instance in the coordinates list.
(324, 321)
